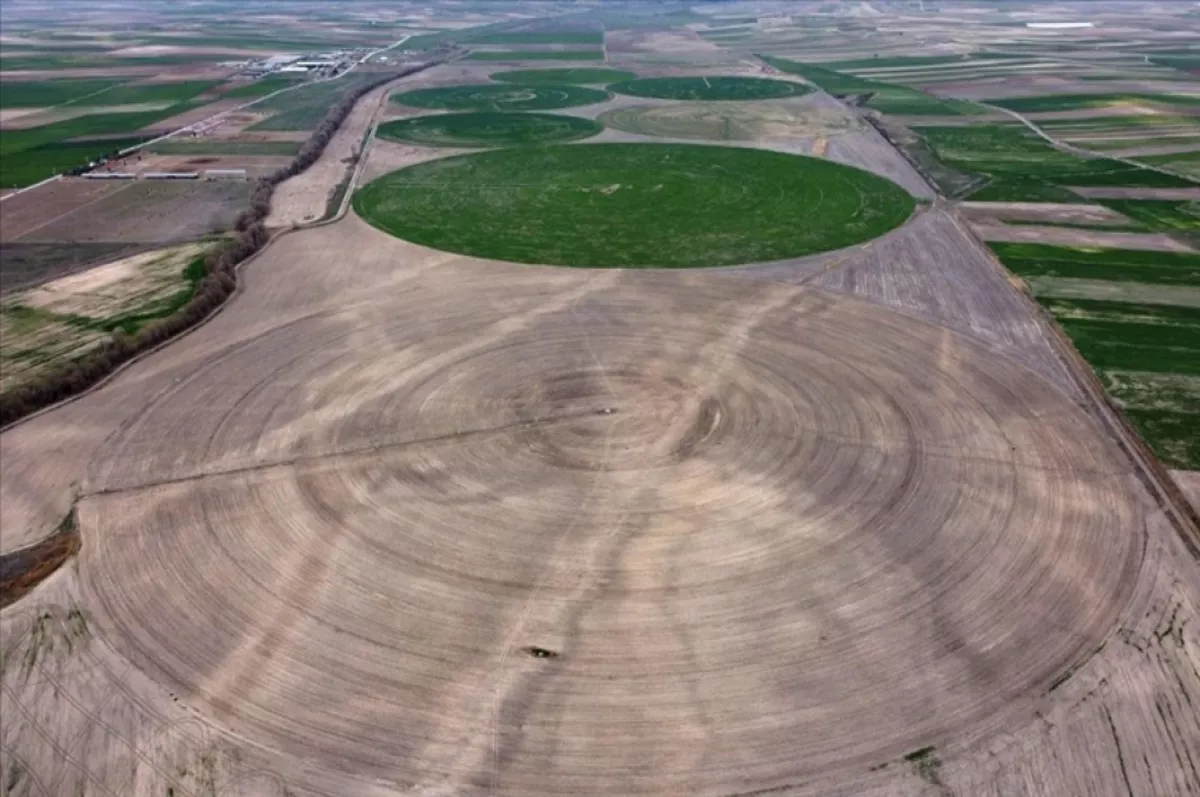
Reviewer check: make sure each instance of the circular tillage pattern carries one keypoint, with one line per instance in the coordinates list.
(630, 533)
(633, 205)
(498, 97)
(576, 76)
(710, 88)
(489, 129)
(726, 121)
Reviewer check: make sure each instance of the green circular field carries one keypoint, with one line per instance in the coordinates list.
(633, 205)
(487, 129)
(577, 76)
(709, 88)
(496, 97)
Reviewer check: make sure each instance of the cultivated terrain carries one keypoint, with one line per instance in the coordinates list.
(777, 398)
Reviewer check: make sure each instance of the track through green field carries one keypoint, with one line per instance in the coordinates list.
(709, 88)
(633, 205)
(485, 129)
(496, 97)
(570, 77)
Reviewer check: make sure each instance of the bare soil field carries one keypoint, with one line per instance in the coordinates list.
(633, 47)
(255, 165)
(9, 116)
(1161, 148)
(150, 212)
(934, 269)
(867, 149)
(26, 264)
(234, 124)
(304, 198)
(1069, 236)
(1137, 193)
(1123, 291)
(83, 72)
(1189, 482)
(32, 210)
(402, 521)
(1048, 212)
(388, 156)
(191, 116)
(620, 527)
(41, 327)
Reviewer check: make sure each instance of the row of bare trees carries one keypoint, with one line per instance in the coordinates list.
(211, 292)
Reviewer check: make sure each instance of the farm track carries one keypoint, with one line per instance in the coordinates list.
(1077, 150)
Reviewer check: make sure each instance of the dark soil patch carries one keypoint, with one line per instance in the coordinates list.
(21, 571)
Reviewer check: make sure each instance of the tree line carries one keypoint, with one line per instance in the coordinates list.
(211, 292)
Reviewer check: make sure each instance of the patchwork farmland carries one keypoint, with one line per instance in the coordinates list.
(576, 398)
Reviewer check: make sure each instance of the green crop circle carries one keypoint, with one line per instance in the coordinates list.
(633, 205)
(500, 97)
(577, 76)
(485, 129)
(710, 88)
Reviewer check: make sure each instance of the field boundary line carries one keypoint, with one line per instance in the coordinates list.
(20, 191)
(1149, 468)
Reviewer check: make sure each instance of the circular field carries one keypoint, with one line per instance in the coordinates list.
(568, 76)
(631, 533)
(485, 129)
(648, 205)
(710, 88)
(495, 97)
(723, 121)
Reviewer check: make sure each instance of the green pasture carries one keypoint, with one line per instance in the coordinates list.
(1023, 167)
(34, 165)
(307, 106)
(259, 88)
(48, 93)
(128, 94)
(536, 55)
(1147, 354)
(884, 97)
(500, 97)
(633, 205)
(100, 61)
(1044, 260)
(488, 129)
(568, 76)
(706, 89)
(33, 154)
(542, 37)
(1161, 215)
